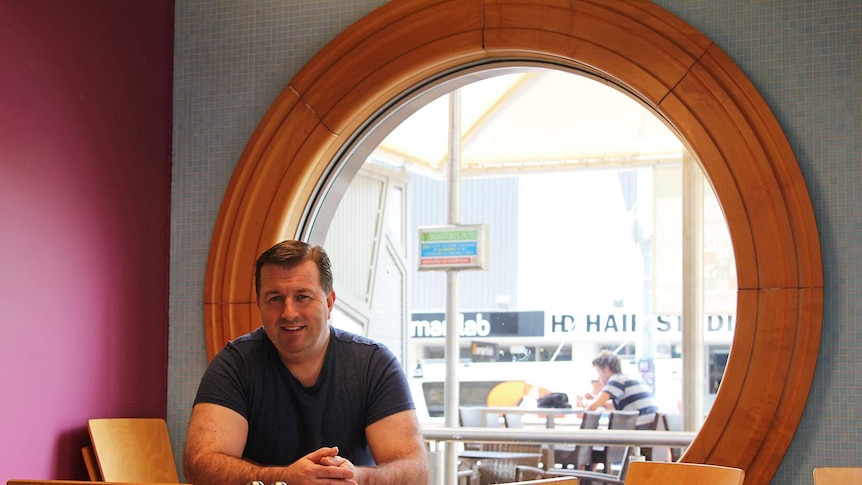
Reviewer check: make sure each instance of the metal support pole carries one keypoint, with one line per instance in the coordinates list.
(694, 368)
(451, 386)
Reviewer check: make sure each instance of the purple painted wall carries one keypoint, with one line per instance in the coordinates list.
(85, 140)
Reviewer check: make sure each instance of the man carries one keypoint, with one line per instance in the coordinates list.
(298, 401)
(627, 393)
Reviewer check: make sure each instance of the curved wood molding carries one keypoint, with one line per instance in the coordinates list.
(673, 68)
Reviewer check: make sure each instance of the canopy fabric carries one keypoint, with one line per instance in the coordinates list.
(541, 119)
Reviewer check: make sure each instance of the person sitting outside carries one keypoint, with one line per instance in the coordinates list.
(626, 393)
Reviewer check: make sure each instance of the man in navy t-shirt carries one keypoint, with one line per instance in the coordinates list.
(298, 400)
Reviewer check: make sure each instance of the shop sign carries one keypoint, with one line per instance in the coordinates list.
(541, 324)
(480, 324)
(453, 247)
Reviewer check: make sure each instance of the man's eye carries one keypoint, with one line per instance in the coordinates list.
(276, 299)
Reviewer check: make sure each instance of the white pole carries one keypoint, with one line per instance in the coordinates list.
(694, 369)
(451, 386)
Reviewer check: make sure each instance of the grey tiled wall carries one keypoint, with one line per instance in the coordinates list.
(232, 58)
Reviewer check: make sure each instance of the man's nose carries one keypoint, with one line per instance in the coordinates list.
(288, 312)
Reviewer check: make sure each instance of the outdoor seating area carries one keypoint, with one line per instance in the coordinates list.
(492, 462)
(495, 454)
(647, 473)
(666, 473)
(639, 472)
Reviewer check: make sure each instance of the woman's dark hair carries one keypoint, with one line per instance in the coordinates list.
(291, 253)
(608, 359)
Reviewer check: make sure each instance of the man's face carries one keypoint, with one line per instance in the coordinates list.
(295, 310)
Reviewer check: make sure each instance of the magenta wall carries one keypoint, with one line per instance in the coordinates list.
(85, 140)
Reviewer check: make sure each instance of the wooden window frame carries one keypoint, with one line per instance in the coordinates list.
(671, 67)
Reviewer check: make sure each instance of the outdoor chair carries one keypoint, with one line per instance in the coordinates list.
(578, 456)
(611, 456)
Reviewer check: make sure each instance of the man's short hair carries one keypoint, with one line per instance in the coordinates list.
(608, 359)
(291, 253)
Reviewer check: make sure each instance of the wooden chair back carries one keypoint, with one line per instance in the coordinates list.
(133, 450)
(665, 473)
(91, 464)
(837, 475)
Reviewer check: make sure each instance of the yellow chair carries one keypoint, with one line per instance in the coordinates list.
(133, 450)
(665, 473)
(91, 464)
(837, 475)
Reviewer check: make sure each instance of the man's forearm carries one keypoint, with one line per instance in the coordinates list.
(221, 469)
(406, 471)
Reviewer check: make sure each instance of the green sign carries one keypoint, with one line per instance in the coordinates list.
(453, 247)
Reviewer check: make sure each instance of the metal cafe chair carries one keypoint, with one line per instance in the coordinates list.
(611, 456)
(579, 456)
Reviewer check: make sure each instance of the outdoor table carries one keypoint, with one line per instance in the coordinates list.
(549, 413)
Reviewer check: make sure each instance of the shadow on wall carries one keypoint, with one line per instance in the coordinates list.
(69, 444)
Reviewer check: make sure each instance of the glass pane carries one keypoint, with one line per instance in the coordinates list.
(581, 188)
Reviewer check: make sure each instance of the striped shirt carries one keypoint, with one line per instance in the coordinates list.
(630, 394)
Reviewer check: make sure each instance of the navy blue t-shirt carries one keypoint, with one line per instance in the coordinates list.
(361, 382)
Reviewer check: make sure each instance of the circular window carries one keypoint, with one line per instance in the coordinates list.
(638, 46)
